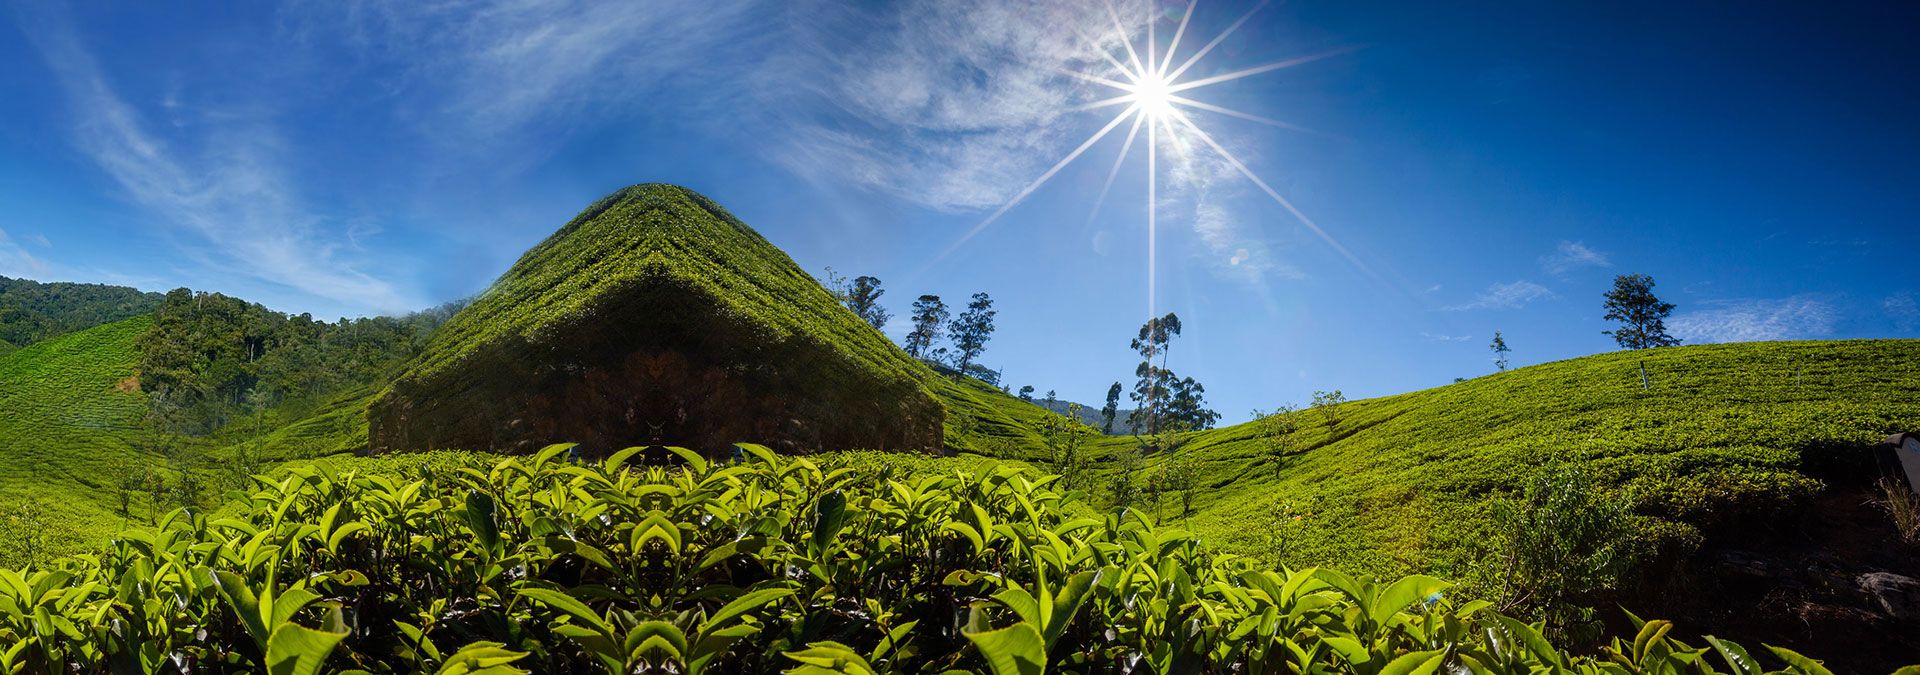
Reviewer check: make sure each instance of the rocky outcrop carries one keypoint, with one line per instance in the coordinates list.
(1895, 595)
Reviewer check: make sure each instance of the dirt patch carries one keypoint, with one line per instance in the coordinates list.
(128, 384)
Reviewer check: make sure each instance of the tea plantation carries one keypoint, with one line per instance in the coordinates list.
(1725, 440)
(773, 564)
(70, 418)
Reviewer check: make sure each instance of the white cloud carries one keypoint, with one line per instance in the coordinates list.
(1902, 308)
(1797, 317)
(15, 261)
(972, 98)
(1437, 337)
(494, 67)
(1513, 295)
(228, 188)
(1572, 255)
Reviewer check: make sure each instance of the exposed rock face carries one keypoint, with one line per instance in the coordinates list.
(655, 317)
(1895, 595)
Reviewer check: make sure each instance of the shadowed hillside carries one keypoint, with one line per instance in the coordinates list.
(656, 317)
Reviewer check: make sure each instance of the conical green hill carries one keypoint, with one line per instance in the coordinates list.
(656, 317)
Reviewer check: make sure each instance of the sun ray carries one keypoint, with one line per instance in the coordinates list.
(1153, 208)
(1256, 70)
(1017, 198)
(1096, 79)
(1222, 37)
(1209, 107)
(1152, 44)
(1125, 149)
(1175, 45)
(1106, 102)
(1282, 201)
(1120, 31)
(1104, 53)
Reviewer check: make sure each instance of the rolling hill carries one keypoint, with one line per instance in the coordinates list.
(68, 429)
(1734, 458)
(1759, 451)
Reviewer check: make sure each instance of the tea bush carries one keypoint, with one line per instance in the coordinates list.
(487, 565)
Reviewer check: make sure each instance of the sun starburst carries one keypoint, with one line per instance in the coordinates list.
(1155, 95)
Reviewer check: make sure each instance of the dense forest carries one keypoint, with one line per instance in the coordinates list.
(31, 311)
(211, 359)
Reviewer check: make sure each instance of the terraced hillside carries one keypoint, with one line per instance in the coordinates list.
(1748, 452)
(68, 420)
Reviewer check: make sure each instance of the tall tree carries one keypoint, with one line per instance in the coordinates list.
(1111, 410)
(1153, 382)
(1026, 393)
(1500, 351)
(863, 297)
(929, 323)
(972, 330)
(1187, 405)
(1641, 314)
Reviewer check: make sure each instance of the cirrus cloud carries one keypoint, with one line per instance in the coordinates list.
(1796, 317)
(1572, 255)
(1513, 295)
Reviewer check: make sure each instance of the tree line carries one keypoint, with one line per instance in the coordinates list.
(210, 359)
(31, 311)
(967, 334)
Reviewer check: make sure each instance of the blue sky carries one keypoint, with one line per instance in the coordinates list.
(1487, 165)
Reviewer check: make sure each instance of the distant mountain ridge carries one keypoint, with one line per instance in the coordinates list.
(1090, 415)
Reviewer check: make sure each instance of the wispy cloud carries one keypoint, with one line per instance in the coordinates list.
(479, 70)
(1199, 183)
(16, 261)
(1902, 308)
(1438, 337)
(229, 189)
(1514, 295)
(1797, 317)
(970, 101)
(1572, 255)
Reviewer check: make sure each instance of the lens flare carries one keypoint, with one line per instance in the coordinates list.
(1155, 93)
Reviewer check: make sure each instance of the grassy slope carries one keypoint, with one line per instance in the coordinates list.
(1403, 483)
(591, 258)
(64, 423)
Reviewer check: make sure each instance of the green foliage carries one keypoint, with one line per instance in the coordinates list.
(1111, 410)
(1278, 429)
(1561, 543)
(1642, 316)
(771, 565)
(971, 330)
(1727, 440)
(31, 311)
(929, 324)
(703, 285)
(71, 413)
(218, 360)
(1328, 403)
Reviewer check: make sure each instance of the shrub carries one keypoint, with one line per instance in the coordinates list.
(1563, 541)
(773, 564)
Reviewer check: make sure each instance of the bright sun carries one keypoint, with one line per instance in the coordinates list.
(1153, 93)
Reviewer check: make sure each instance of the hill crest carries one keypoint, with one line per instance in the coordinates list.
(655, 316)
